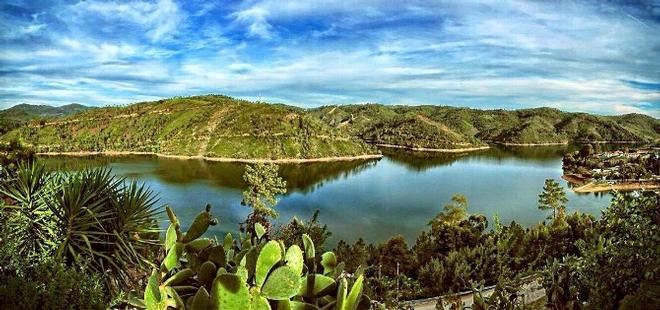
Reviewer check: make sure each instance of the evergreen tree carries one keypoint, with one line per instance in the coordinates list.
(264, 184)
(553, 197)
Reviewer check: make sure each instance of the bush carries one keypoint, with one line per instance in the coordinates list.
(50, 285)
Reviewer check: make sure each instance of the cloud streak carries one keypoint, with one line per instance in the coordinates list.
(575, 55)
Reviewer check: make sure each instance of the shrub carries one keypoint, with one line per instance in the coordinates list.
(51, 285)
(87, 216)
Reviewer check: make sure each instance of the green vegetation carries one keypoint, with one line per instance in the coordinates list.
(553, 198)
(251, 272)
(458, 254)
(220, 126)
(22, 114)
(450, 127)
(213, 126)
(93, 224)
(87, 218)
(263, 184)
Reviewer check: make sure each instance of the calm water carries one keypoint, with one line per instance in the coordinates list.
(375, 199)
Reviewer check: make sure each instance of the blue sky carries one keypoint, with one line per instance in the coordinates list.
(593, 56)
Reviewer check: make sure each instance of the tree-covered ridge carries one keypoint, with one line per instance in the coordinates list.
(220, 126)
(213, 126)
(452, 127)
(18, 115)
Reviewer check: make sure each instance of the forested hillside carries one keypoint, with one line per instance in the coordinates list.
(220, 126)
(213, 126)
(451, 127)
(19, 115)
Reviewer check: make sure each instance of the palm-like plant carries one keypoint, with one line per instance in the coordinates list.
(97, 217)
(28, 231)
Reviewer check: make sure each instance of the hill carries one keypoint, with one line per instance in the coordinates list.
(211, 126)
(20, 114)
(451, 127)
(220, 126)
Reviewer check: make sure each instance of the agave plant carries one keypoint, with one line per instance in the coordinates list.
(250, 272)
(92, 216)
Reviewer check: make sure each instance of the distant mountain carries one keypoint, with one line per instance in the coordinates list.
(220, 126)
(28, 111)
(20, 114)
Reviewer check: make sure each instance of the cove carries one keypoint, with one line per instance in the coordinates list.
(372, 199)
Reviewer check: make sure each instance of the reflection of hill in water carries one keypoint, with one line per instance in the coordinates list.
(421, 161)
(299, 177)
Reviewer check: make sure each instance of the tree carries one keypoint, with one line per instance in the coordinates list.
(263, 185)
(553, 197)
(454, 212)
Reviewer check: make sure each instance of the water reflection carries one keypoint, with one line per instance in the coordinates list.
(300, 177)
(372, 199)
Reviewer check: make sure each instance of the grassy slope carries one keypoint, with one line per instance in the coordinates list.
(215, 126)
(447, 127)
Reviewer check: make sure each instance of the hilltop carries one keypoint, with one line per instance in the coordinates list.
(20, 114)
(224, 127)
(210, 126)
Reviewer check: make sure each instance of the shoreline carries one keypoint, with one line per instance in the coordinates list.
(530, 144)
(593, 187)
(216, 159)
(423, 149)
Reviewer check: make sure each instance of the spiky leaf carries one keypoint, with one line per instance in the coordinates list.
(283, 283)
(259, 229)
(329, 262)
(294, 258)
(179, 277)
(172, 258)
(269, 256)
(353, 298)
(312, 285)
(202, 300)
(309, 246)
(229, 291)
(170, 237)
(198, 227)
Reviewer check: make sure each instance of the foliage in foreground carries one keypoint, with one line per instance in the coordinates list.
(618, 266)
(51, 285)
(596, 264)
(87, 217)
(250, 272)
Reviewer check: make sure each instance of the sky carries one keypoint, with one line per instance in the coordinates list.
(589, 56)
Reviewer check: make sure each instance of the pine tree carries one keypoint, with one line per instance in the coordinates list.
(553, 197)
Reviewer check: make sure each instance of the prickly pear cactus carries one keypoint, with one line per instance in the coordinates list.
(250, 272)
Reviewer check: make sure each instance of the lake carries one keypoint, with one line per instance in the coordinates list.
(373, 199)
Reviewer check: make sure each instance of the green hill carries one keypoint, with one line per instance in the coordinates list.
(213, 126)
(18, 115)
(451, 127)
(220, 126)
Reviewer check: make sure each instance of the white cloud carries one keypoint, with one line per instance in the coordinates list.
(255, 19)
(160, 19)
